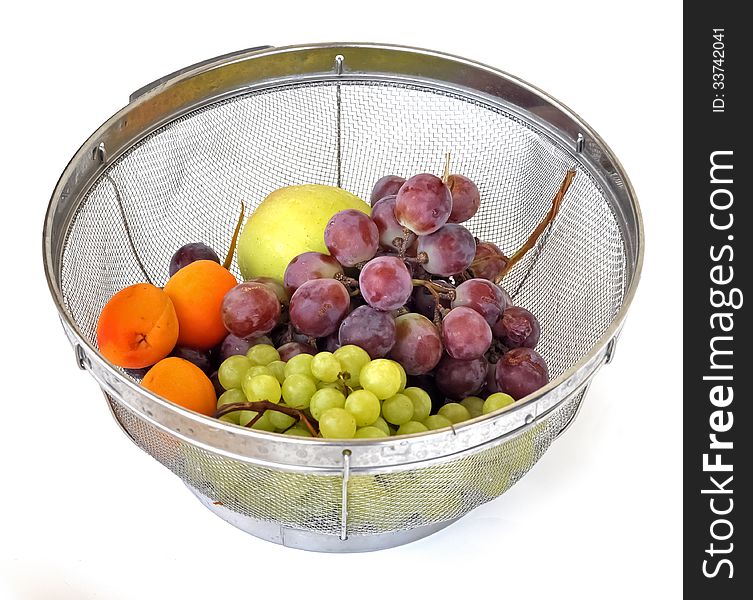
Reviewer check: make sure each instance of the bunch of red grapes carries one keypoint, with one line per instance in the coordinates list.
(408, 283)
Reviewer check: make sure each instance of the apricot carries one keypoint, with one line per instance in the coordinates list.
(137, 327)
(197, 291)
(183, 383)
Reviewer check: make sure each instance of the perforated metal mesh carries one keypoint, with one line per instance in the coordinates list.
(377, 502)
(185, 183)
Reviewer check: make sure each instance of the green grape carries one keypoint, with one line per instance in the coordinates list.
(337, 423)
(277, 368)
(300, 364)
(398, 409)
(370, 432)
(262, 354)
(232, 396)
(324, 399)
(263, 424)
(297, 389)
(262, 387)
(232, 370)
(280, 420)
(335, 385)
(258, 370)
(352, 359)
(474, 404)
(299, 431)
(403, 377)
(381, 377)
(364, 406)
(437, 422)
(455, 412)
(325, 367)
(411, 427)
(421, 402)
(233, 417)
(496, 401)
(380, 423)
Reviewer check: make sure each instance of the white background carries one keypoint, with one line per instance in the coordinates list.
(85, 514)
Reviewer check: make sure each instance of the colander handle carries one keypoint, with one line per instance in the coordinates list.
(157, 82)
(608, 356)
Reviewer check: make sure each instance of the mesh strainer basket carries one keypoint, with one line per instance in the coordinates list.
(171, 167)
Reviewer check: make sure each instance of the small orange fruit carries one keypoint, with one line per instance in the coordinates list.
(137, 327)
(197, 291)
(183, 383)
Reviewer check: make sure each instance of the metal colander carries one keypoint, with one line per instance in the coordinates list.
(173, 166)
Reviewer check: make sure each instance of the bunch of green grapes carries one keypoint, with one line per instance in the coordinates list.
(345, 391)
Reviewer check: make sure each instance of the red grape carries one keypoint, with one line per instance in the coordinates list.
(418, 346)
(385, 283)
(250, 309)
(189, 253)
(458, 379)
(423, 204)
(520, 372)
(390, 231)
(218, 389)
(286, 333)
(275, 286)
(232, 344)
(412, 247)
(428, 384)
(386, 186)
(465, 198)
(517, 328)
(308, 266)
(447, 251)
(465, 333)
(491, 378)
(329, 343)
(483, 296)
(318, 306)
(488, 262)
(200, 358)
(291, 349)
(507, 299)
(351, 237)
(369, 328)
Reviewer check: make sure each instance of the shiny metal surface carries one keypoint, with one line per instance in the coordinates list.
(170, 167)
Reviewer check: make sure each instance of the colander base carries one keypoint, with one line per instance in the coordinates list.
(317, 542)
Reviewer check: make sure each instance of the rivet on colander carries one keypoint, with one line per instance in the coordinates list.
(99, 153)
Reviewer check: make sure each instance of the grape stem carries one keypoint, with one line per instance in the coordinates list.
(464, 276)
(399, 243)
(403, 243)
(446, 172)
(348, 282)
(261, 407)
(480, 262)
(435, 288)
(342, 379)
(234, 241)
(546, 221)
